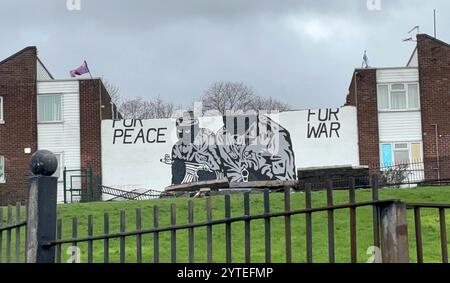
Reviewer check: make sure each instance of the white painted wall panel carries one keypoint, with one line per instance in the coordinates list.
(69, 86)
(400, 126)
(397, 75)
(62, 137)
(138, 164)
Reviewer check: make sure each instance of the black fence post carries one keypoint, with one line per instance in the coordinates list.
(41, 212)
(64, 184)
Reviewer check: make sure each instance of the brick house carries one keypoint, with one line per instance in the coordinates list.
(403, 112)
(40, 112)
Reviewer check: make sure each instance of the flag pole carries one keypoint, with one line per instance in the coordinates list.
(89, 70)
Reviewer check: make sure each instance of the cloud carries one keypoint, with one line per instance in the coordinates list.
(300, 51)
(319, 28)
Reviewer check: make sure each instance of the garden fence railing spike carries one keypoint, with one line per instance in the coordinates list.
(12, 231)
(388, 210)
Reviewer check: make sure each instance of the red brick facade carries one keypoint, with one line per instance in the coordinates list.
(434, 73)
(363, 94)
(19, 131)
(18, 87)
(434, 79)
(95, 105)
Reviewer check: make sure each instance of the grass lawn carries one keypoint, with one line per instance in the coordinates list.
(430, 227)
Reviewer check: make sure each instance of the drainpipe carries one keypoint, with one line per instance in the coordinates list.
(100, 98)
(437, 150)
(355, 78)
(356, 90)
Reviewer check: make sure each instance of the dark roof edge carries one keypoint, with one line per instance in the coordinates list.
(433, 38)
(19, 52)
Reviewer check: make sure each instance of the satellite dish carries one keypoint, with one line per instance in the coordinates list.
(417, 29)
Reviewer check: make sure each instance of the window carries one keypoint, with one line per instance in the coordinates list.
(398, 97)
(1, 109)
(416, 152)
(383, 97)
(400, 153)
(386, 155)
(49, 108)
(413, 96)
(2, 169)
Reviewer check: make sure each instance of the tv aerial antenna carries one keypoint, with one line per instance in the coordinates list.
(411, 38)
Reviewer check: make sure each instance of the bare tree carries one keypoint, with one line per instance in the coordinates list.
(234, 96)
(162, 109)
(139, 108)
(223, 96)
(268, 104)
(114, 91)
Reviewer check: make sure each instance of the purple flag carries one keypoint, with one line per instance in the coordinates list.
(83, 69)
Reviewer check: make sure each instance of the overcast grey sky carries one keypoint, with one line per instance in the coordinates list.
(301, 51)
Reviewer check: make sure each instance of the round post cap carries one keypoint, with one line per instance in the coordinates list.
(43, 162)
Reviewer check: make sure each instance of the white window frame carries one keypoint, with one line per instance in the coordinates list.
(406, 89)
(2, 162)
(61, 114)
(2, 120)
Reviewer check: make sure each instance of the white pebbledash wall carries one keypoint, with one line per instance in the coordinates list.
(62, 137)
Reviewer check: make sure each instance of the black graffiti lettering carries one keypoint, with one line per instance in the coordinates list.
(136, 136)
(128, 123)
(114, 124)
(323, 130)
(127, 135)
(334, 113)
(161, 135)
(148, 135)
(140, 135)
(117, 134)
(312, 131)
(140, 122)
(323, 119)
(335, 128)
(326, 128)
(310, 113)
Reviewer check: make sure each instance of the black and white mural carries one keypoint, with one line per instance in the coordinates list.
(247, 148)
(158, 153)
